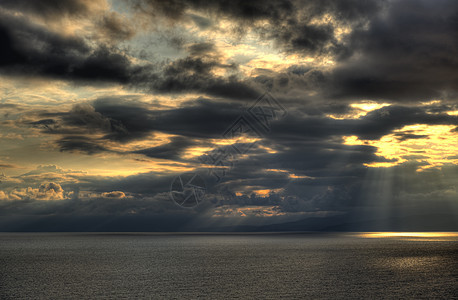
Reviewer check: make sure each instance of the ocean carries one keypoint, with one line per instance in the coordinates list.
(216, 266)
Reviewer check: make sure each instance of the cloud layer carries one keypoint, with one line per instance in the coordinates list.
(104, 103)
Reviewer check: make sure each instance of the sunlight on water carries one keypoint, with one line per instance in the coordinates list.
(424, 236)
(413, 263)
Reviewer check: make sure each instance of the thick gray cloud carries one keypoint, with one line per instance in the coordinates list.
(29, 49)
(395, 50)
(172, 150)
(123, 121)
(353, 201)
(289, 23)
(407, 53)
(49, 8)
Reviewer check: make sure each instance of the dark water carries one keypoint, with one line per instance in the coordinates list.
(81, 266)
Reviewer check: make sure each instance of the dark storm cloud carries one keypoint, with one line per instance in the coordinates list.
(123, 121)
(33, 50)
(315, 166)
(296, 32)
(172, 150)
(249, 11)
(396, 50)
(373, 126)
(194, 73)
(109, 24)
(324, 158)
(289, 23)
(49, 8)
(115, 27)
(407, 53)
(199, 49)
(412, 192)
(118, 122)
(29, 49)
(383, 121)
(86, 116)
(48, 124)
(80, 144)
(196, 118)
(399, 51)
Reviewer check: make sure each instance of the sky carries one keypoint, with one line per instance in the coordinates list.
(304, 115)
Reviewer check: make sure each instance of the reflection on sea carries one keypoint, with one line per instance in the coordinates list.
(412, 236)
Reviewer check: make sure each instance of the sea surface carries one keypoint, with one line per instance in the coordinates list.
(216, 266)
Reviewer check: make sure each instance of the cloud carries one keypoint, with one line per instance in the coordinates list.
(172, 150)
(54, 8)
(100, 22)
(80, 144)
(401, 51)
(115, 27)
(31, 49)
(110, 125)
(293, 25)
(368, 42)
(408, 53)
(87, 128)
(196, 73)
(46, 191)
(114, 194)
(7, 166)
